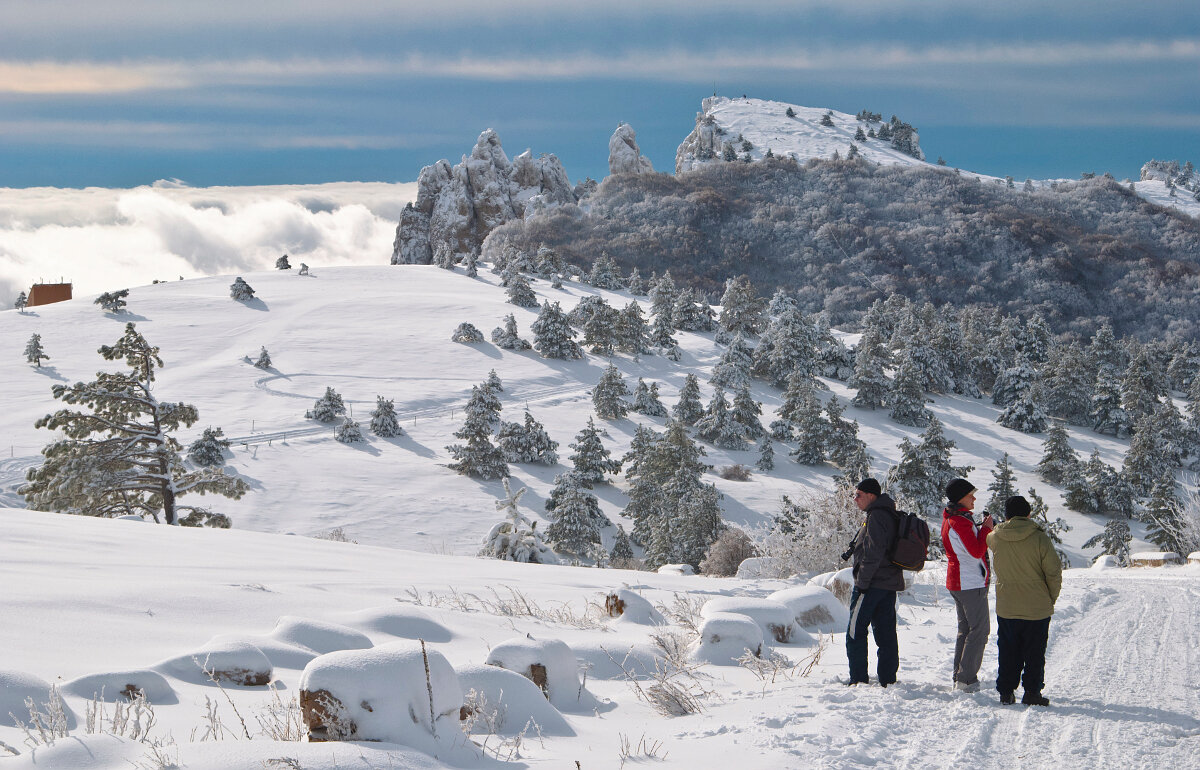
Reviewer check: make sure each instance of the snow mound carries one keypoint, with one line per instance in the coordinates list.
(815, 608)
(677, 569)
(318, 636)
(608, 661)
(840, 583)
(280, 654)
(1105, 562)
(229, 659)
(119, 685)
(776, 619)
(405, 622)
(384, 695)
(507, 701)
(548, 663)
(16, 686)
(757, 567)
(628, 606)
(725, 637)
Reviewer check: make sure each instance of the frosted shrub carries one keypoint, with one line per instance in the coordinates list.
(466, 333)
(810, 534)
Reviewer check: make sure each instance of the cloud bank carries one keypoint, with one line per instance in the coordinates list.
(105, 239)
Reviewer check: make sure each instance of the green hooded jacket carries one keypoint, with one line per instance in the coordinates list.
(1028, 572)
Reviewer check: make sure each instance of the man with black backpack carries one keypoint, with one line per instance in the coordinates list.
(876, 581)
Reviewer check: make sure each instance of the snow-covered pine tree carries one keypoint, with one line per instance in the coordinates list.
(1107, 414)
(788, 345)
(662, 298)
(918, 352)
(349, 432)
(113, 301)
(645, 400)
(833, 358)
(1059, 460)
(1003, 486)
(1039, 512)
(919, 480)
(282, 263)
(747, 412)
(383, 418)
(652, 463)
(1067, 385)
(1036, 339)
(781, 430)
(635, 283)
(1013, 382)
(507, 337)
(493, 383)
(696, 522)
(608, 395)
(662, 335)
(604, 274)
(21, 303)
(520, 293)
(240, 290)
(466, 333)
(741, 308)
(591, 460)
(471, 263)
(766, 454)
(564, 482)
(688, 409)
(209, 450)
(717, 425)
(733, 370)
(118, 456)
(812, 431)
(869, 379)
(264, 359)
(1024, 414)
(574, 526)
(1166, 525)
(303, 269)
(1148, 458)
(1113, 541)
(328, 407)
(621, 556)
(632, 333)
(1105, 354)
(1141, 388)
(690, 314)
(600, 330)
(553, 336)
(907, 397)
(845, 449)
(34, 354)
(515, 538)
(1181, 369)
(528, 443)
(479, 457)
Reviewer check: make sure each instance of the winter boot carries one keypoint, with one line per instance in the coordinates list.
(1034, 699)
(1008, 698)
(967, 686)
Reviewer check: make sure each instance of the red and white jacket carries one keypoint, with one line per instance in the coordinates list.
(966, 550)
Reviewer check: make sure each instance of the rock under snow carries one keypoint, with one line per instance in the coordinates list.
(624, 156)
(815, 608)
(548, 663)
(725, 637)
(318, 636)
(405, 622)
(16, 686)
(840, 583)
(458, 206)
(676, 569)
(383, 694)
(757, 567)
(1107, 561)
(631, 607)
(505, 702)
(776, 619)
(228, 659)
(111, 686)
(609, 660)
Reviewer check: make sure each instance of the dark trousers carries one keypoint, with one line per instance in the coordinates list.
(1022, 646)
(875, 607)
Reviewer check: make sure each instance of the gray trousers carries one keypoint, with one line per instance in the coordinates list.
(974, 626)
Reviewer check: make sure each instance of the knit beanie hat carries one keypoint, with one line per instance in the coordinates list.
(1016, 506)
(958, 489)
(870, 486)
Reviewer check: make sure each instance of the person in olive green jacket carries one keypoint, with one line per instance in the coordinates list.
(1028, 578)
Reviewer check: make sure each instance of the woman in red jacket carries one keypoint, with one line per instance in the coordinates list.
(967, 576)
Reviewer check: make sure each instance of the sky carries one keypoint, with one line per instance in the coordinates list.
(125, 93)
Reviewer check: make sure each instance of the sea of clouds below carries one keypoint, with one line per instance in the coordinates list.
(106, 239)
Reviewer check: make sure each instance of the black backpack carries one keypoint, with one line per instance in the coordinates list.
(912, 542)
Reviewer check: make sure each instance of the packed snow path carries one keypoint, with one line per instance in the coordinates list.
(1120, 674)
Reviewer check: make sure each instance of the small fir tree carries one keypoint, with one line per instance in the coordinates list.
(515, 538)
(1059, 460)
(21, 303)
(907, 397)
(282, 263)
(264, 359)
(747, 413)
(1003, 486)
(466, 333)
(717, 425)
(349, 432)
(113, 301)
(1108, 416)
(33, 351)
(812, 432)
(1163, 514)
(621, 556)
(1113, 541)
(600, 329)
(1039, 512)
(591, 460)
(328, 407)
(493, 383)
(479, 457)
(645, 400)
(632, 333)
(573, 528)
(635, 283)
(303, 269)
(553, 335)
(240, 290)
(607, 396)
(208, 451)
(766, 454)
(733, 370)
(528, 443)
(520, 293)
(383, 418)
(507, 338)
(688, 409)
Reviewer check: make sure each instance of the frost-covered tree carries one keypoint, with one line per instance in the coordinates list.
(493, 383)
(1059, 460)
(695, 524)
(1039, 512)
(632, 333)
(689, 408)
(733, 370)
(466, 333)
(591, 460)
(209, 450)
(919, 480)
(349, 432)
(21, 303)
(635, 283)
(528, 443)
(471, 264)
(741, 308)
(515, 538)
(34, 354)
(303, 269)
(1104, 353)
(662, 299)
(117, 455)
(645, 400)
(869, 379)
(1014, 382)
(717, 425)
(1113, 541)
(1024, 414)
(1148, 458)
(604, 274)
(507, 337)
(747, 412)
(328, 407)
(553, 336)
(1108, 416)
(383, 418)
(479, 457)
(1164, 516)
(652, 464)
(1141, 388)
(264, 359)
(574, 526)
(662, 335)
(282, 263)
(812, 431)
(600, 329)
(1067, 385)
(520, 293)
(1002, 487)
(907, 397)
(845, 449)
(788, 345)
(766, 454)
(621, 556)
(608, 395)
(240, 290)
(114, 301)
(691, 315)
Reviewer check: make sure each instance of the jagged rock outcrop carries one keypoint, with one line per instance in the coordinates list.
(624, 156)
(457, 206)
(703, 144)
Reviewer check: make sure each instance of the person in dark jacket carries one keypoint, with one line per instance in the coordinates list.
(876, 581)
(1028, 579)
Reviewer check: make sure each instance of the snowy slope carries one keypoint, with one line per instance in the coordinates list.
(368, 331)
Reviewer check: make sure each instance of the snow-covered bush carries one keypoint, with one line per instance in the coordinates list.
(328, 407)
(515, 538)
(810, 533)
(240, 290)
(383, 418)
(112, 301)
(209, 449)
(466, 333)
(727, 552)
(227, 660)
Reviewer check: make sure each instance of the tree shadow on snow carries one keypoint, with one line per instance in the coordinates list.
(1118, 712)
(126, 316)
(51, 372)
(405, 441)
(254, 303)
(363, 446)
